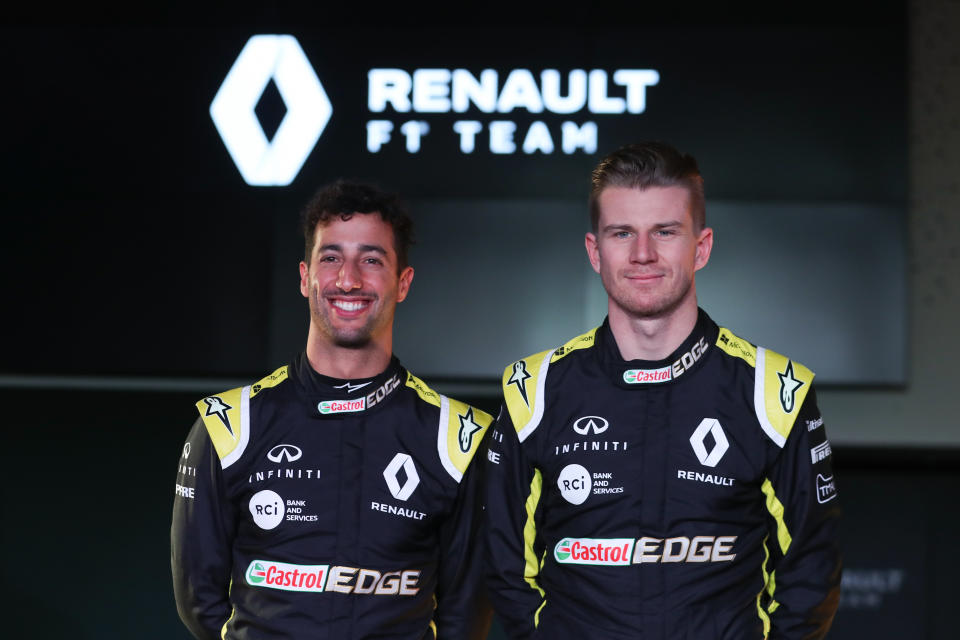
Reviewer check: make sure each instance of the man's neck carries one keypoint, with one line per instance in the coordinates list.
(348, 363)
(652, 338)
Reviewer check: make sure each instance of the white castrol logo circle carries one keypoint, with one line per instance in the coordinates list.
(574, 483)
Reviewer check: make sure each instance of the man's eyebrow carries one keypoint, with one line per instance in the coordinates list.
(364, 248)
(618, 227)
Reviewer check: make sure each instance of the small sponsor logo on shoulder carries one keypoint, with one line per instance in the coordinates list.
(789, 384)
(820, 452)
(813, 425)
(602, 551)
(826, 488)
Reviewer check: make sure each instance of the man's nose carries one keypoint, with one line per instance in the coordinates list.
(643, 249)
(348, 277)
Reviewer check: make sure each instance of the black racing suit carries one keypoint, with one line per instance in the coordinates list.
(309, 507)
(690, 498)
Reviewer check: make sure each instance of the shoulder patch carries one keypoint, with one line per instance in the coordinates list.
(459, 431)
(780, 386)
(524, 380)
(227, 419)
(737, 347)
(271, 380)
(582, 341)
(459, 434)
(426, 393)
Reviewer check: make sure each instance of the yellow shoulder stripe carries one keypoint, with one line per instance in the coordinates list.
(458, 438)
(271, 380)
(583, 341)
(426, 393)
(524, 380)
(780, 387)
(736, 347)
(225, 415)
(459, 431)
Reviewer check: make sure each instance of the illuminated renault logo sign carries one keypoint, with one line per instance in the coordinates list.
(274, 162)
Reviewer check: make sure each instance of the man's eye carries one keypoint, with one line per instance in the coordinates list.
(622, 234)
(328, 258)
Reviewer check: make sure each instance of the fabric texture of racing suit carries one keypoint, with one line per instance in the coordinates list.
(690, 498)
(310, 507)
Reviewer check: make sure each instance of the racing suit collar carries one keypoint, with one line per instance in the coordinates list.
(639, 374)
(332, 396)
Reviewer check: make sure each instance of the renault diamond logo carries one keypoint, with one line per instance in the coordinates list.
(586, 424)
(720, 446)
(274, 162)
(404, 461)
(280, 452)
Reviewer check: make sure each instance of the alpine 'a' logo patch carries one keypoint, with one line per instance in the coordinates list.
(788, 387)
(219, 408)
(467, 428)
(519, 379)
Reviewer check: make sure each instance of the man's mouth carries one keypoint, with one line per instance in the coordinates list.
(350, 305)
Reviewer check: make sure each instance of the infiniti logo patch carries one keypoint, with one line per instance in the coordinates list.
(288, 452)
(586, 424)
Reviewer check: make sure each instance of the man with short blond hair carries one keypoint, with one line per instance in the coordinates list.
(659, 476)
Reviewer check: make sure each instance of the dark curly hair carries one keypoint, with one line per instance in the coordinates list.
(649, 164)
(343, 199)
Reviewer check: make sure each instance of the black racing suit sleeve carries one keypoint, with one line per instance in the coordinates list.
(513, 555)
(201, 538)
(463, 609)
(807, 576)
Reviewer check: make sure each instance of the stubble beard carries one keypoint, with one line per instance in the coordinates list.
(648, 307)
(345, 337)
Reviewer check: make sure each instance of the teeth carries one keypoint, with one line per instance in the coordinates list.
(348, 306)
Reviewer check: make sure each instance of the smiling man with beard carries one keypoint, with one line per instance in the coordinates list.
(334, 498)
(659, 476)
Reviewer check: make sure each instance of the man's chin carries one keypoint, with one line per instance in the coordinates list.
(352, 341)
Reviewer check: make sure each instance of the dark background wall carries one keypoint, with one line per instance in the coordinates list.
(90, 460)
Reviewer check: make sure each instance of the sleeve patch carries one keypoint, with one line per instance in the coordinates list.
(460, 431)
(226, 417)
(523, 384)
(780, 387)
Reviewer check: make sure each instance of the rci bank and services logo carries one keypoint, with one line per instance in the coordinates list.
(273, 162)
